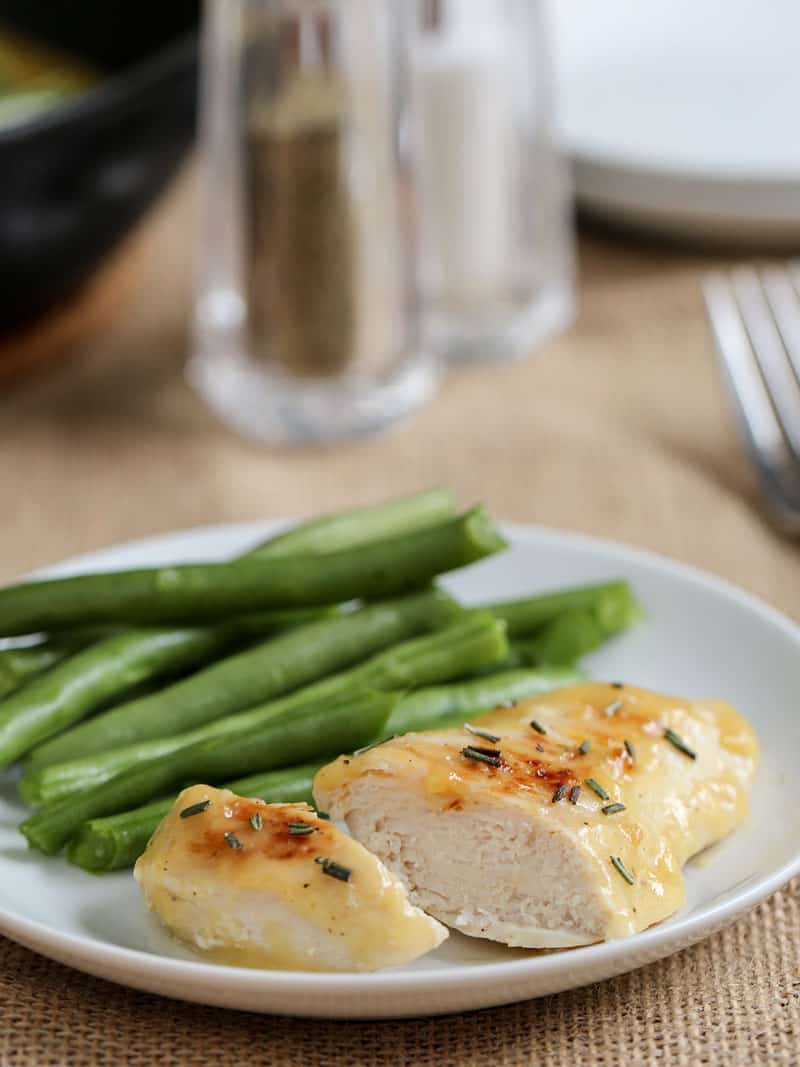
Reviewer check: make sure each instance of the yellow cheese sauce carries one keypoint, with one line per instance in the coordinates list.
(682, 770)
(233, 880)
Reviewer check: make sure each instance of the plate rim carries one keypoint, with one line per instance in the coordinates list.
(646, 946)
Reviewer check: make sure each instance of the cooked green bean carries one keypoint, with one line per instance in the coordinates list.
(252, 677)
(348, 529)
(68, 691)
(19, 665)
(300, 735)
(205, 591)
(448, 705)
(562, 641)
(126, 659)
(116, 841)
(612, 603)
(449, 653)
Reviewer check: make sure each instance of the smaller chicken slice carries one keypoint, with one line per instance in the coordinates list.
(275, 885)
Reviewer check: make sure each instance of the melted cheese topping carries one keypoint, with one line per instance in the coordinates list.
(674, 805)
(260, 898)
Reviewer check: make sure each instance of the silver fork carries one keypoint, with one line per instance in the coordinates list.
(755, 320)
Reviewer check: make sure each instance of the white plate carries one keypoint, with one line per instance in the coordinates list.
(682, 115)
(701, 637)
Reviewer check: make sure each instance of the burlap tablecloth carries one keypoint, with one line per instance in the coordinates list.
(617, 429)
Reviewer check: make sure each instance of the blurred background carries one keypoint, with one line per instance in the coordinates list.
(301, 256)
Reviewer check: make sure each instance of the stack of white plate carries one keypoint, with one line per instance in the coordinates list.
(683, 116)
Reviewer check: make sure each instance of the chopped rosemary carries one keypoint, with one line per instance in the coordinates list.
(574, 793)
(483, 755)
(300, 829)
(597, 788)
(256, 821)
(560, 793)
(334, 869)
(679, 743)
(539, 747)
(630, 750)
(478, 732)
(613, 708)
(616, 685)
(612, 809)
(195, 809)
(538, 727)
(232, 840)
(323, 815)
(373, 744)
(623, 870)
(584, 746)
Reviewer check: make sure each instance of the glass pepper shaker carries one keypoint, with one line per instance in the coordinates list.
(306, 323)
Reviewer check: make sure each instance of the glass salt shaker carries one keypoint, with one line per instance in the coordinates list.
(496, 274)
(306, 322)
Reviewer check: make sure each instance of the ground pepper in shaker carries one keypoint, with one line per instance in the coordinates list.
(301, 261)
(306, 318)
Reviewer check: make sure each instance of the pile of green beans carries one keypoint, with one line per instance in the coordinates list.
(323, 638)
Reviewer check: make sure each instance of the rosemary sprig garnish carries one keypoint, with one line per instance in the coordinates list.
(256, 821)
(334, 869)
(612, 809)
(483, 755)
(597, 788)
(679, 743)
(623, 870)
(612, 708)
(232, 840)
(300, 829)
(478, 732)
(560, 793)
(574, 793)
(630, 750)
(195, 809)
(584, 746)
(373, 744)
(538, 726)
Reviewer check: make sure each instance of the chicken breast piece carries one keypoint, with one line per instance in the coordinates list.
(274, 885)
(568, 824)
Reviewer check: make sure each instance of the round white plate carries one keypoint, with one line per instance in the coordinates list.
(700, 637)
(681, 115)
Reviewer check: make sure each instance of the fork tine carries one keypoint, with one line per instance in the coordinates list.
(770, 352)
(751, 401)
(783, 300)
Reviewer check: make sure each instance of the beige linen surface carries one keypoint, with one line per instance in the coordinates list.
(618, 429)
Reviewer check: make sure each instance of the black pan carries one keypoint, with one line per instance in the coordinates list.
(76, 178)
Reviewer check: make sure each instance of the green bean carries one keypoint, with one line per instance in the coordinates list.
(205, 591)
(116, 841)
(68, 691)
(449, 705)
(19, 665)
(449, 653)
(612, 603)
(347, 529)
(257, 675)
(318, 729)
(121, 661)
(563, 641)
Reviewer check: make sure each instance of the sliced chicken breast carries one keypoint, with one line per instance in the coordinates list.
(274, 885)
(561, 821)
